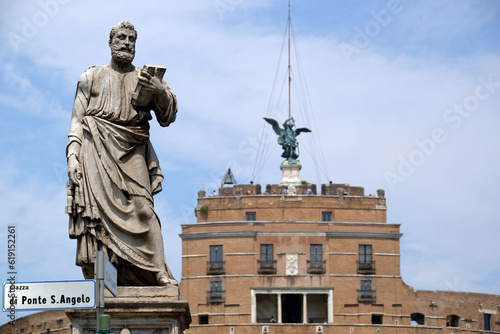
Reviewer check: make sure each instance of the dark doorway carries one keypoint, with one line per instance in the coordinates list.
(417, 319)
(452, 320)
(487, 322)
(291, 308)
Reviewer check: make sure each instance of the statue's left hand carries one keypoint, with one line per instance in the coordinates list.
(151, 83)
(156, 86)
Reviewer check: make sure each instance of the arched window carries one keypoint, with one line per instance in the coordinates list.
(417, 319)
(452, 320)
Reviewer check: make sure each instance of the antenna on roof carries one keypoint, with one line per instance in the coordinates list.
(289, 66)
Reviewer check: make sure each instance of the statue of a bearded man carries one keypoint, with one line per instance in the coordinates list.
(112, 166)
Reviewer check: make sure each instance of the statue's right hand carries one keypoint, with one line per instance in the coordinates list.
(74, 170)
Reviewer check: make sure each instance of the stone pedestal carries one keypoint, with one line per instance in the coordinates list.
(290, 173)
(145, 310)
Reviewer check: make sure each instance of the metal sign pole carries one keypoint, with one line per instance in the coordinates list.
(99, 276)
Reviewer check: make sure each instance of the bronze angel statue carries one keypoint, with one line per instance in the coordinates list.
(287, 137)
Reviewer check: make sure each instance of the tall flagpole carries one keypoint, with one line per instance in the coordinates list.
(289, 67)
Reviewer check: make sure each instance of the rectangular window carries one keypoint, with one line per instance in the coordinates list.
(203, 319)
(316, 253)
(366, 286)
(216, 286)
(377, 319)
(216, 254)
(316, 264)
(251, 216)
(365, 254)
(266, 253)
(366, 294)
(215, 295)
(326, 216)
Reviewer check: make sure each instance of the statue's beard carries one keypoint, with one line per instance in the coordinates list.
(122, 57)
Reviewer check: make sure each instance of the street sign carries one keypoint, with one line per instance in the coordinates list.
(23, 296)
(110, 277)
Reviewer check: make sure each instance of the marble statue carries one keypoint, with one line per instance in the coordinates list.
(112, 167)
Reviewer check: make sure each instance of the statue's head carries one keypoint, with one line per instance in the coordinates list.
(290, 123)
(122, 42)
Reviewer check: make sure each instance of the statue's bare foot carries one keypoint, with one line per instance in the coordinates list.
(164, 280)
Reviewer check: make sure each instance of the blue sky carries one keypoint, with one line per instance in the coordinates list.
(404, 94)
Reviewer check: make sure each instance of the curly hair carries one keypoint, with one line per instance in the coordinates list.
(119, 25)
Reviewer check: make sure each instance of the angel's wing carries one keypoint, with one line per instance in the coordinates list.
(299, 130)
(276, 126)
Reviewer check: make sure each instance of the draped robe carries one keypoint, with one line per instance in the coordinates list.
(113, 202)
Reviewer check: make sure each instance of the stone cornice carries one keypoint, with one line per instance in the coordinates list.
(218, 235)
(253, 234)
(363, 235)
